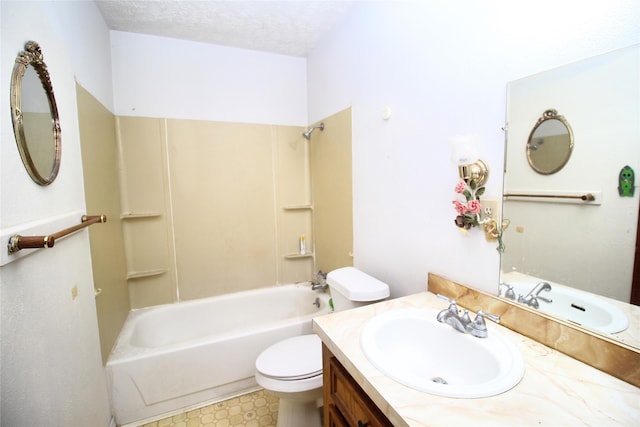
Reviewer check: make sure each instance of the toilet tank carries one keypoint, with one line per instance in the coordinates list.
(352, 288)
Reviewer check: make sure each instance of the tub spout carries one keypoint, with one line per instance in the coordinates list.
(319, 283)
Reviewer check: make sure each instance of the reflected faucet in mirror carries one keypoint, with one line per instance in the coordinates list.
(577, 307)
(509, 293)
(531, 299)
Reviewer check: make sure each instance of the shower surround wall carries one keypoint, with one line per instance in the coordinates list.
(102, 194)
(215, 207)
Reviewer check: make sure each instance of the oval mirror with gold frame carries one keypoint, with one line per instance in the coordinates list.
(550, 143)
(35, 115)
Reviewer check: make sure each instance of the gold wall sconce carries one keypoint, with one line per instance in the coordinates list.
(477, 171)
(466, 156)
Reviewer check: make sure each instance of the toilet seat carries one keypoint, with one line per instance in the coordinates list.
(292, 359)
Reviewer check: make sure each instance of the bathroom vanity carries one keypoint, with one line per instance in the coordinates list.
(345, 402)
(555, 390)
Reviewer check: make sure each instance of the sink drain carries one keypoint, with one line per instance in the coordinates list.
(439, 380)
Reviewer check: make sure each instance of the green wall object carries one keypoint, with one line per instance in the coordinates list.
(626, 182)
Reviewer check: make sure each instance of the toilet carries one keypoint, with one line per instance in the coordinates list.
(292, 368)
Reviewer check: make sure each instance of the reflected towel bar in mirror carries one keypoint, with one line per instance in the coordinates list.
(18, 242)
(588, 197)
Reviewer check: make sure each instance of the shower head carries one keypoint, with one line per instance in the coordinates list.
(307, 133)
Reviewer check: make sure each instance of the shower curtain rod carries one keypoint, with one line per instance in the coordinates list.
(18, 242)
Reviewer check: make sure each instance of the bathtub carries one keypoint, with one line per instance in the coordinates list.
(177, 356)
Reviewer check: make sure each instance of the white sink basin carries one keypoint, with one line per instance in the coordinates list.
(582, 308)
(416, 350)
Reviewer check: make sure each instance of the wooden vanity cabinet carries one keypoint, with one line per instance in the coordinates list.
(345, 403)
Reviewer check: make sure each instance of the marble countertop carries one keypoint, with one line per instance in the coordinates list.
(555, 390)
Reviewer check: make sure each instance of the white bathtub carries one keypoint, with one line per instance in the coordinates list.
(180, 355)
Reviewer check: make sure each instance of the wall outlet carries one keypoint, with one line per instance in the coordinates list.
(490, 209)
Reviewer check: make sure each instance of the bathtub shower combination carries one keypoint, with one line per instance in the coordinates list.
(179, 355)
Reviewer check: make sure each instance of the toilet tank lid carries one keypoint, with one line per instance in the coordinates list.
(357, 285)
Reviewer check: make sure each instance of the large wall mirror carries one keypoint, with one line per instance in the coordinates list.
(35, 115)
(583, 246)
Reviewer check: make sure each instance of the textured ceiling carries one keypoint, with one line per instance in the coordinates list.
(290, 27)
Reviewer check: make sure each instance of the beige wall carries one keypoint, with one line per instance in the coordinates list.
(99, 160)
(332, 192)
(215, 207)
(223, 206)
(146, 211)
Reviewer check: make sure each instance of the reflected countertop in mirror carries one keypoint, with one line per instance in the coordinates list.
(583, 245)
(631, 333)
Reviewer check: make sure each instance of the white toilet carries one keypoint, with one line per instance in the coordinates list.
(292, 369)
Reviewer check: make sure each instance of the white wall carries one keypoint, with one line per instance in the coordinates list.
(170, 78)
(442, 67)
(51, 368)
(86, 37)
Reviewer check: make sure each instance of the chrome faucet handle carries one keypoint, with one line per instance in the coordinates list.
(449, 300)
(478, 328)
(509, 293)
(545, 299)
(453, 307)
(492, 317)
(451, 311)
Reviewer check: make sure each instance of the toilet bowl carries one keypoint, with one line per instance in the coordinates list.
(292, 369)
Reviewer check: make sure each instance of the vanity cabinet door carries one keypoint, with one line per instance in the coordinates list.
(346, 404)
(333, 417)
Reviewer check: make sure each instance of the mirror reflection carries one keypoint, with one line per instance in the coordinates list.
(550, 143)
(35, 116)
(584, 249)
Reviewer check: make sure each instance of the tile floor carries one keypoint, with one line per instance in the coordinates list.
(257, 409)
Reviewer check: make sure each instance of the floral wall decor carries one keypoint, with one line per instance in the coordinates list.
(468, 210)
(470, 213)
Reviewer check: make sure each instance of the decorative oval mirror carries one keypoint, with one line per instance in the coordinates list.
(35, 115)
(550, 143)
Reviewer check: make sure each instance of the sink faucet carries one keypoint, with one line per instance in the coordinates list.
(531, 299)
(463, 323)
(320, 282)
(451, 316)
